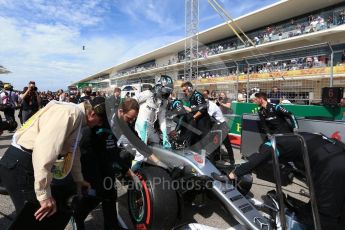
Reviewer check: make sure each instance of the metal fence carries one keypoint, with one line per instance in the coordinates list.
(298, 74)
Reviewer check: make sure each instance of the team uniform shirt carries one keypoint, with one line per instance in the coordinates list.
(203, 122)
(198, 103)
(327, 159)
(273, 119)
(101, 156)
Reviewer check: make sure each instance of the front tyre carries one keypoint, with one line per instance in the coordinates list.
(155, 204)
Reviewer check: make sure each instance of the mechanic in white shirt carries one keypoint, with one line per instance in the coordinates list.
(215, 113)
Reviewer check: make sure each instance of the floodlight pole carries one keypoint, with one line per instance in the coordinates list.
(237, 78)
(331, 67)
(191, 46)
(248, 66)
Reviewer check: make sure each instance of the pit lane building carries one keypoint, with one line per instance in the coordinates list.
(299, 47)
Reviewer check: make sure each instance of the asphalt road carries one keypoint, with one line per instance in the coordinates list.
(210, 214)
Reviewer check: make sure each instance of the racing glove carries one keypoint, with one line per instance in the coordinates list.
(166, 143)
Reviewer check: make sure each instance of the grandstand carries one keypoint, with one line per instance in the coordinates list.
(299, 47)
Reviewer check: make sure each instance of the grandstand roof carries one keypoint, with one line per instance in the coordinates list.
(265, 16)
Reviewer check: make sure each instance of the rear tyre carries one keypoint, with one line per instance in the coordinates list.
(155, 204)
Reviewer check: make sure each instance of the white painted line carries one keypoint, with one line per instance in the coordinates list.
(119, 218)
(121, 222)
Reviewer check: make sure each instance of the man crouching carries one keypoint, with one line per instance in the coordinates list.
(27, 167)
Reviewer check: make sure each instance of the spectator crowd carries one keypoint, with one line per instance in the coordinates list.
(30, 99)
(294, 27)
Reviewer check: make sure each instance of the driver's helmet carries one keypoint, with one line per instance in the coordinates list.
(164, 86)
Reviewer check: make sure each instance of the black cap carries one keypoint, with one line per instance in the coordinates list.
(98, 105)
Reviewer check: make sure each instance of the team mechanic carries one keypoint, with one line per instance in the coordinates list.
(327, 160)
(273, 116)
(101, 159)
(217, 118)
(200, 119)
(26, 167)
(183, 130)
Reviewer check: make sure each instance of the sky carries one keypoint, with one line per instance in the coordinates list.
(43, 40)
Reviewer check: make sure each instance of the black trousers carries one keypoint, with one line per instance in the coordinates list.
(226, 142)
(88, 203)
(17, 176)
(203, 124)
(329, 186)
(9, 114)
(214, 154)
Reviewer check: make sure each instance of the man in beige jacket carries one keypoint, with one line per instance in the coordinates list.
(28, 165)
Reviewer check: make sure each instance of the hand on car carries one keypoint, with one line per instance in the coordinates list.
(232, 176)
(188, 109)
(156, 161)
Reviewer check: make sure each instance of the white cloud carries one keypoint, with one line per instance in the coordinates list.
(73, 12)
(52, 55)
(5, 2)
(49, 52)
(42, 40)
(158, 12)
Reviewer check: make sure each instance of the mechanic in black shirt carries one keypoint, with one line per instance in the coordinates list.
(183, 130)
(327, 160)
(101, 159)
(198, 107)
(273, 117)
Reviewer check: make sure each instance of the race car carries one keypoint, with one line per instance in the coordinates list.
(159, 201)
